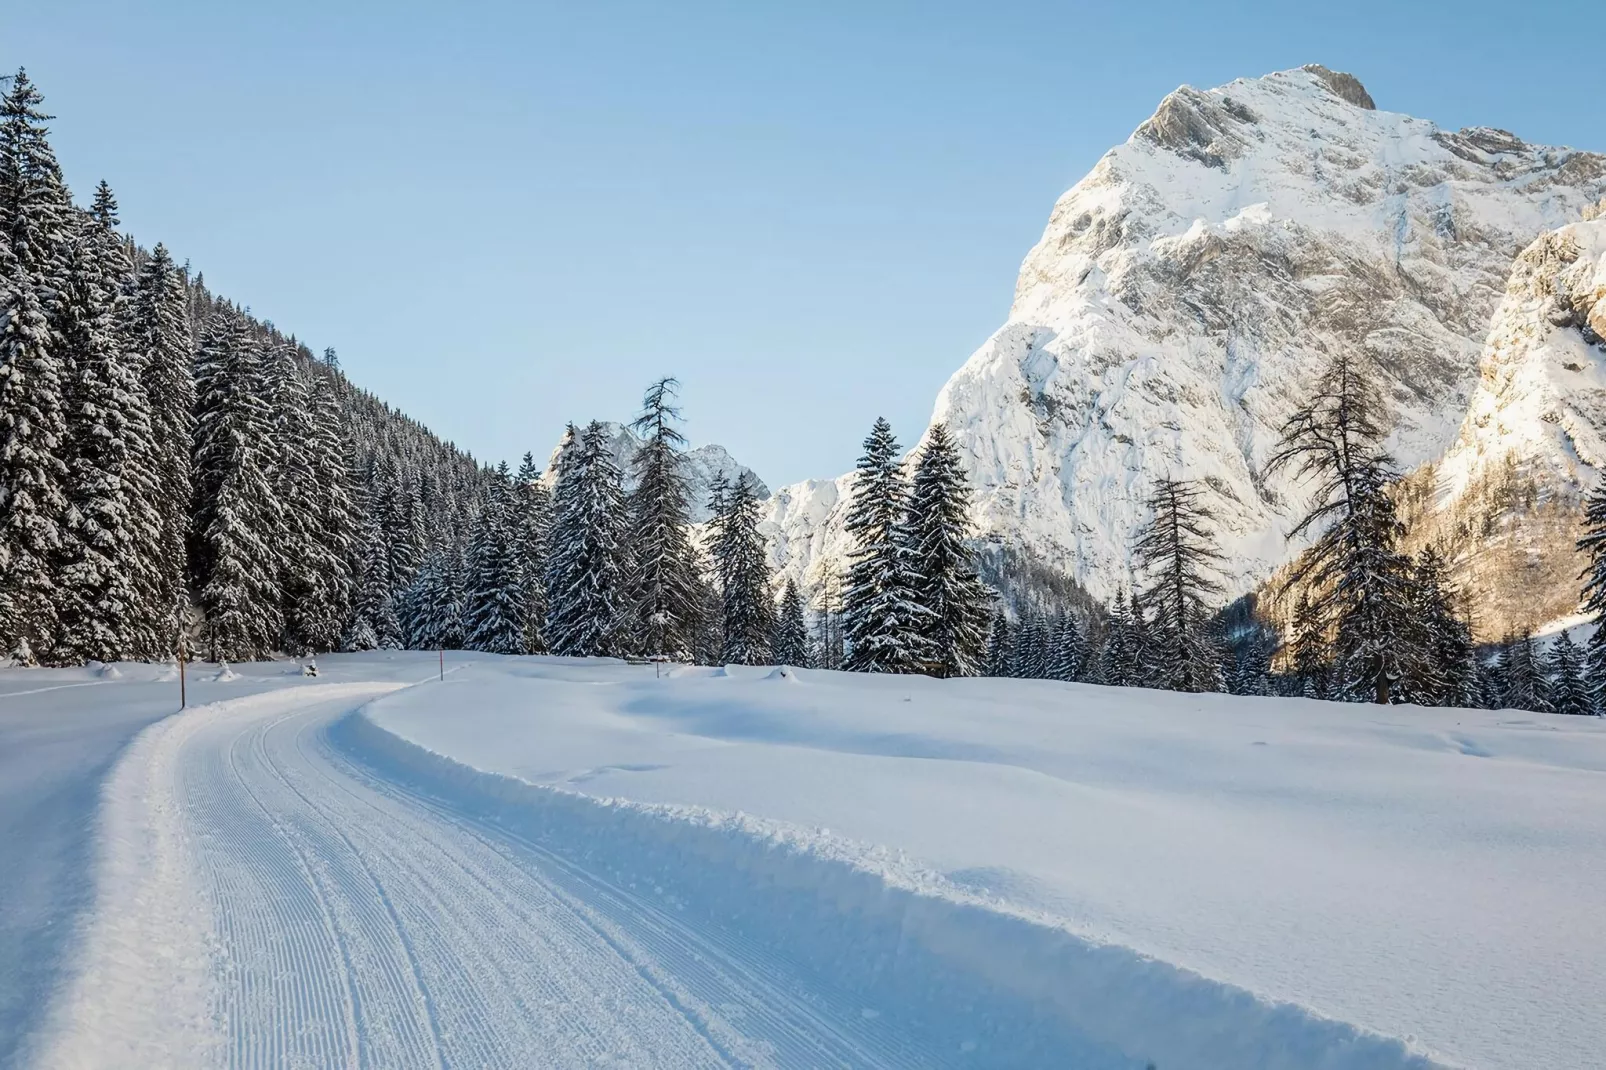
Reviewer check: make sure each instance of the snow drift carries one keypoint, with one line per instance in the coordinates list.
(997, 986)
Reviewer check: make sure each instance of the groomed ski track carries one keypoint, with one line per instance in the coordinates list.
(348, 922)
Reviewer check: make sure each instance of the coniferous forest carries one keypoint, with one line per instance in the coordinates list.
(178, 477)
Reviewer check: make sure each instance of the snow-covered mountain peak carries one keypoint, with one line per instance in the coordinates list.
(1540, 402)
(1187, 290)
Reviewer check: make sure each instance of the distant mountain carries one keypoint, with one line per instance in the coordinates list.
(1507, 496)
(702, 466)
(1187, 291)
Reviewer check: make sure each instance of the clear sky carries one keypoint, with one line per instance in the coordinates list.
(508, 215)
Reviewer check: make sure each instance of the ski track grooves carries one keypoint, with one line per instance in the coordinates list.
(355, 922)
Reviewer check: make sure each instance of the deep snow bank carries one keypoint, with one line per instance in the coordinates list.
(992, 983)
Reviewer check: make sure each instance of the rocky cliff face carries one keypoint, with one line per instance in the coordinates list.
(1187, 291)
(1540, 399)
(1506, 499)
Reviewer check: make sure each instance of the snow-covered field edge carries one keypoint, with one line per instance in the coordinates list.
(1012, 987)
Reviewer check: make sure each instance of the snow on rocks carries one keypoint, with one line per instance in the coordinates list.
(1184, 295)
(1540, 399)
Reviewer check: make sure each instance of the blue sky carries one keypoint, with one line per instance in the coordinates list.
(510, 215)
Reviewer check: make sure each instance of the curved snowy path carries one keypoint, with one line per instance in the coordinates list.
(341, 921)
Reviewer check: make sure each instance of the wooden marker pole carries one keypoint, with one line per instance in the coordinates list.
(182, 698)
(443, 664)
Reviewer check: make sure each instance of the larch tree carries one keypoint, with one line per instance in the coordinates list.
(1177, 550)
(1357, 579)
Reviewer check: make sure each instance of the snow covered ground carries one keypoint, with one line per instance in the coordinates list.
(540, 862)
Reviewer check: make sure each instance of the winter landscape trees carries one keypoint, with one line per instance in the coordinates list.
(176, 474)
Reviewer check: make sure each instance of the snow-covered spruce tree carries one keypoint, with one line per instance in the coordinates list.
(1593, 595)
(1118, 657)
(493, 594)
(741, 564)
(150, 636)
(1357, 579)
(1311, 654)
(159, 335)
(326, 604)
(1177, 549)
(100, 605)
(791, 646)
(34, 214)
(953, 627)
(1564, 667)
(882, 618)
(1440, 670)
(303, 559)
(1069, 659)
(1145, 657)
(532, 508)
(434, 603)
(1000, 645)
(1593, 668)
(1031, 645)
(587, 614)
(665, 595)
(237, 523)
(375, 625)
(1523, 676)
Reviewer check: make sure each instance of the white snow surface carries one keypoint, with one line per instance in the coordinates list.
(1186, 292)
(1201, 881)
(577, 863)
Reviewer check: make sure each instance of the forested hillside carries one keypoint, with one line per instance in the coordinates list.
(174, 469)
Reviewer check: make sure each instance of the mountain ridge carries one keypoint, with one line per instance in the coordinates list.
(1186, 291)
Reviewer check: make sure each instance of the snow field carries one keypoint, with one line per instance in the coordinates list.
(1119, 876)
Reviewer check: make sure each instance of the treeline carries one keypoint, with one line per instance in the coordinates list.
(1369, 623)
(173, 471)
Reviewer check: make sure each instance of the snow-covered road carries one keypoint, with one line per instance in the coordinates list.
(267, 901)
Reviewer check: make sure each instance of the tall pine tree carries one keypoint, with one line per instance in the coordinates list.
(34, 214)
(665, 590)
(237, 522)
(587, 612)
(791, 646)
(882, 618)
(952, 630)
(493, 597)
(740, 563)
